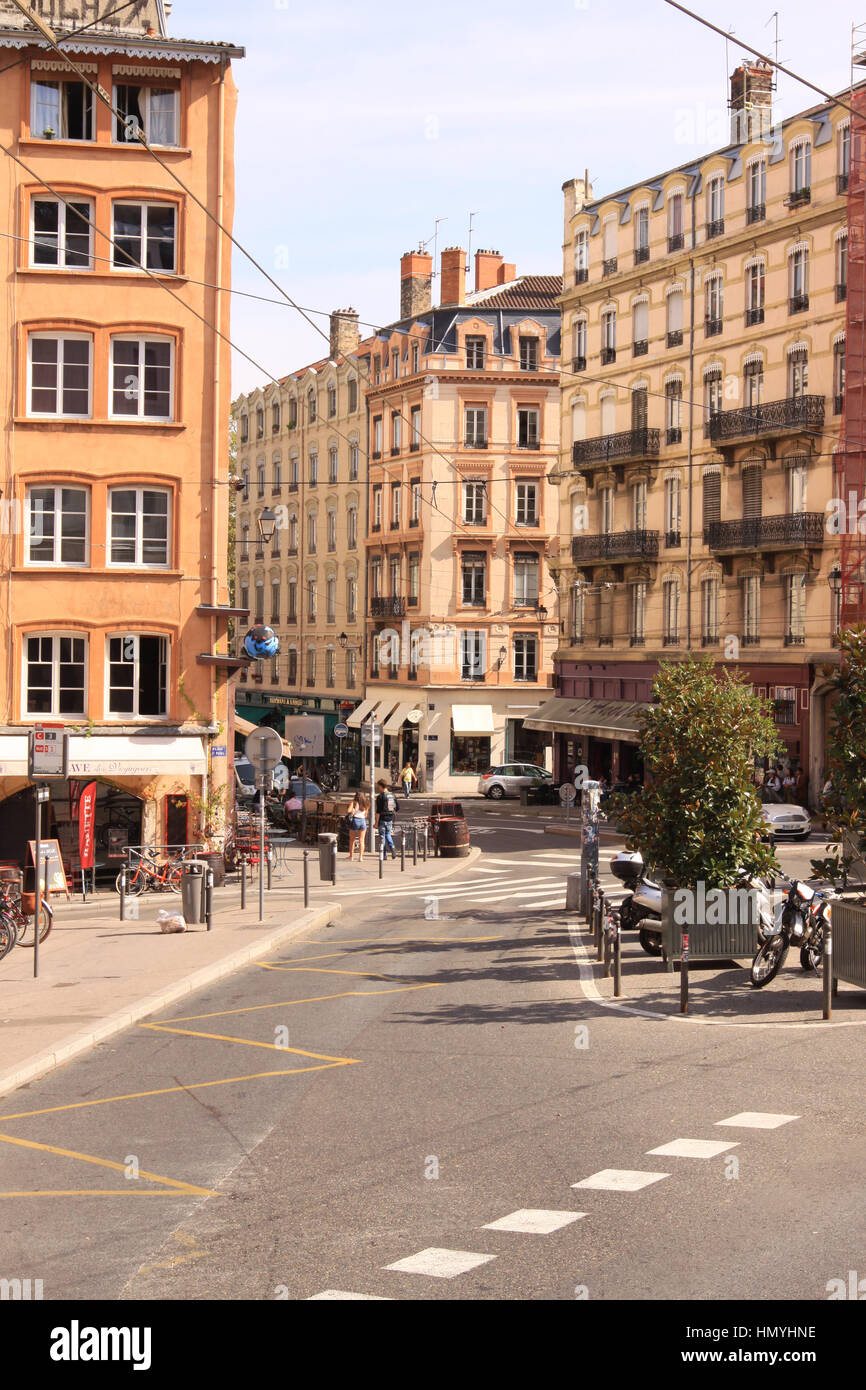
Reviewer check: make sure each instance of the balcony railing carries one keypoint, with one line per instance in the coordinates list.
(709, 639)
(675, 337)
(640, 347)
(672, 539)
(578, 364)
(772, 417)
(608, 267)
(798, 197)
(766, 532)
(616, 545)
(608, 355)
(641, 254)
(712, 327)
(716, 227)
(841, 183)
(754, 316)
(756, 213)
(676, 242)
(838, 402)
(841, 293)
(475, 441)
(750, 639)
(674, 435)
(388, 607)
(798, 303)
(794, 639)
(642, 443)
(581, 275)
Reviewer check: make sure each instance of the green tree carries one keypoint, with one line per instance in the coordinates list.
(698, 819)
(845, 808)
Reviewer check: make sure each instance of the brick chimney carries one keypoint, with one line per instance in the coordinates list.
(507, 272)
(452, 289)
(345, 333)
(487, 265)
(416, 279)
(751, 102)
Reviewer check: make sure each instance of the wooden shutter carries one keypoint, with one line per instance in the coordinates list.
(752, 478)
(712, 498)
(639, 409)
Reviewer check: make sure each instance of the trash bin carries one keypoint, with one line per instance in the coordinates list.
(326, 857)
(192, 892)
(524, 796)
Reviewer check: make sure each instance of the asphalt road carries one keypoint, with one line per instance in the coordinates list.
(426, 1085)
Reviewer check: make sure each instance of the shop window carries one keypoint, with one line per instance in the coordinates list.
(470, 756)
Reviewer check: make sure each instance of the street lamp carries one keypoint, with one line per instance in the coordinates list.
(834, 579)
(343, 640)
(503, 653)
(540, 612)
(267, 525)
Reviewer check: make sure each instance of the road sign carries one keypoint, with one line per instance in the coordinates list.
(371, 733)
(48, 751)
(567, 794)
(341, 730)
(414, 716)
(218, 750)
(264, 748)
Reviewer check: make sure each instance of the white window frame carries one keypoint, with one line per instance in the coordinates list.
(122, 716)
(63, 205)
(58, 489)
(37, 336)
(138, 563)
(475, 503)
(53, 79)
(54, 712)
(521, 502)
(146, 89)
(130, 267)
(142, 339)
(525, 642)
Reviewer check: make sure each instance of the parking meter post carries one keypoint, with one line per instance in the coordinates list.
(243, 881)
(270, 869)
(827, 973)
(414, 845)
(208, 899)
(684, 975)
(306, 878)
(123, 893)
(402, 849)
(617, 961)
(600, 940)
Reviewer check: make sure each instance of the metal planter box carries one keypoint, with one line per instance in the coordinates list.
(733, 939)
(849, 943)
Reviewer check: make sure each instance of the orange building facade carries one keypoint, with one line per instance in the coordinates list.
(116, 394)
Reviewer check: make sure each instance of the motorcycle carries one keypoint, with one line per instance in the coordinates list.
(644, 903)
(801, 919)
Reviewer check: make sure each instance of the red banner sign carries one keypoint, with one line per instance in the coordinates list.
(86, 818)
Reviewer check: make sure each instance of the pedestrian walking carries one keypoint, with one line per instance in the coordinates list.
(789, 783)
(407, 777)
(357, 816)
(386, 808)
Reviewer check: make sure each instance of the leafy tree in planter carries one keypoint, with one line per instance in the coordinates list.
(698, 819)
(845, 809)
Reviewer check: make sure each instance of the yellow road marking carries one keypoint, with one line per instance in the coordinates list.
(189, 1188)
(388, 940)
(328, 970)
(167, 1091)
(249, 1042)
(288, 1003)
(193, 1252)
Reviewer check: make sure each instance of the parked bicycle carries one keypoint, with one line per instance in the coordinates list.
(15, 923)
(146, 868)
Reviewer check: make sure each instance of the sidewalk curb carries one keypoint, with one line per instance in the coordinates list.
(77, 1043)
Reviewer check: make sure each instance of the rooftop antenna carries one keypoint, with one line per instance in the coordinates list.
(774, 16)
(435, 240)
(469, 251)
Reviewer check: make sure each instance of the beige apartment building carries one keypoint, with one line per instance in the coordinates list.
(463, 420)
(704, 373)
(302, 453)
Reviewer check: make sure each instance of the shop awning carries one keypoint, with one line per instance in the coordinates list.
(244, 726)
(472, 719)
(107, 755)
(608, 719)
(357, 717)
(394, 723)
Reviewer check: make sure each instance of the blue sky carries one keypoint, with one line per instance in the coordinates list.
(359, 125)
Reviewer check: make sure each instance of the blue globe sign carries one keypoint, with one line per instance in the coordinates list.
(261, 642)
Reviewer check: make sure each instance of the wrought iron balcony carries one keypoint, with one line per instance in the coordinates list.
(608, 267)
(578, 364)
(756, 213)
(605, 448)
(771, 417)
(798, 303)
(841, 293)
(672, 539)
(674, 435)
(640, 347)
(641, 254)
(754, 316)
(676, 242)
(712, 327)
(616, 545)
(388, 607)
(766, 532)
(716, 227)
(841, 183)
(608, 355)
(798, 197)
(675, 337)
(581, 275)
(838, 402)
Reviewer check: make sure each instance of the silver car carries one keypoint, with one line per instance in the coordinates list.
(508, 779)
(785, 819)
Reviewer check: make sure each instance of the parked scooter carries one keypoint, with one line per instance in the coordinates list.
(801, 920)
(644, 903)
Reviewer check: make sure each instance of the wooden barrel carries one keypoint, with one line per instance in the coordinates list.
(453, 837)
(448, 809)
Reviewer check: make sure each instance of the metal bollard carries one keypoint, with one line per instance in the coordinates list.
(684, 975)
(606, 950)
(270, 854)
(617, 961)
(208, 898)
(243, 882)
(381, 863)
(402, 849)
(306, 878)
(600, 942)
(827, 981)
(414, 845)
(436, 845)
(122, 894)
(333, 861)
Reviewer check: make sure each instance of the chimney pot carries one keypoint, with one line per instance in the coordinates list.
(416, 280)
(487, 266)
